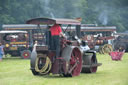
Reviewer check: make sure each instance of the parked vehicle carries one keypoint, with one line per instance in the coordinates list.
(15, 43)
(121, 42)
(98, 38)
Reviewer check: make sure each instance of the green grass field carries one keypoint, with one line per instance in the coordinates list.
(16, 71)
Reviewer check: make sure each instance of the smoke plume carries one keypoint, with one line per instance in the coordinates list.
(103, 18)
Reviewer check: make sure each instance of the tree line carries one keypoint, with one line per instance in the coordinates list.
(101, 12)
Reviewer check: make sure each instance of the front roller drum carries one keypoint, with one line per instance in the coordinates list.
(40, 64)
(89, 63)
(32, 62)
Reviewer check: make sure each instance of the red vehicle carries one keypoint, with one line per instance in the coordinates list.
(33, 34)
(72, 61)
(15, 43)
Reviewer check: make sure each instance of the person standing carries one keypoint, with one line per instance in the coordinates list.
(1, 52)
(56, 33)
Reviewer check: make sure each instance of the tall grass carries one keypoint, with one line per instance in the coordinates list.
(16, 71)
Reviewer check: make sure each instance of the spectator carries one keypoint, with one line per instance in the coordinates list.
(1, 52)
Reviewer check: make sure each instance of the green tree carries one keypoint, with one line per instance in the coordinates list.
(102, 12)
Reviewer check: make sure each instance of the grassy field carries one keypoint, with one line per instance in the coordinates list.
(16, 71)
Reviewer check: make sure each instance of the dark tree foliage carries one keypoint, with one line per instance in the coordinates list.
(109, 12)
(102, 12)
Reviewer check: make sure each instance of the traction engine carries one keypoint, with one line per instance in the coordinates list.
(72, 61)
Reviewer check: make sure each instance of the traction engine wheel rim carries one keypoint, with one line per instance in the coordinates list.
(75, 58)
(26, 55)
(107, 48)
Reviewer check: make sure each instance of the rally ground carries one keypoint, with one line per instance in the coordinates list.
(16, 71)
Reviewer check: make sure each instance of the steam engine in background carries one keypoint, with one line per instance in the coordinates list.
(99, 38)
(121, 42)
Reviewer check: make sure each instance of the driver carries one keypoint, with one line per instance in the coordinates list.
(56, 33)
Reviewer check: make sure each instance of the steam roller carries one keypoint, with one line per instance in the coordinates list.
(71, 63)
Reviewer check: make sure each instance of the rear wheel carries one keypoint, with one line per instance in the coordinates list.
(25, 54)
(75, 63)
(107, 48)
